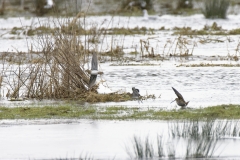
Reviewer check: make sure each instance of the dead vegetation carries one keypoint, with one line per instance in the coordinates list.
(183, 44)
(55, 66)
(180, 46)
(57, 63)
(213, 29)
(79, 30)
(208, 65)
(112, 97)
(147, 50)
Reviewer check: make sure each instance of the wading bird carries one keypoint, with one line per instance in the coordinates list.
(135, 94)
(8, 94)
(94, 71)
(180, 100)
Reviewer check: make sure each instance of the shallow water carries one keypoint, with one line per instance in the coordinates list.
(202, 86)
(52, 139)
(98, 139)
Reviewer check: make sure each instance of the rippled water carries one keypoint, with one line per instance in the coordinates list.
(46, 139)
(202, 86)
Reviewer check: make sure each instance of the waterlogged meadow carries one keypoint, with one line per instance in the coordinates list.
(163, 53)
(47, 112)
(101, 139)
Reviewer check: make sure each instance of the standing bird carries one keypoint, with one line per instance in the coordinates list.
(94, 70)
(180, 100)
(8, 94)
(135, 94)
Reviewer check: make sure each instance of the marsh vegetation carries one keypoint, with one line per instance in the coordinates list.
(215, 8)
(74, 110)
(195, 139)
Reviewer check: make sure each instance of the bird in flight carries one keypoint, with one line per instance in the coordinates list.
(180, 100)
(94, 70)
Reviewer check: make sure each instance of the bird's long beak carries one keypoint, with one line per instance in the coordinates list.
(173, 100)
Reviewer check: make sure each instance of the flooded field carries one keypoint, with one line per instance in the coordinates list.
(207, 75)
(73, 139)
(216, 59)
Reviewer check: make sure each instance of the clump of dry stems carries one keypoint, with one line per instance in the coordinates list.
(57, 69)
(180, 47)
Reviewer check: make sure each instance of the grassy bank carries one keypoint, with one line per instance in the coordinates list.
(119, 113)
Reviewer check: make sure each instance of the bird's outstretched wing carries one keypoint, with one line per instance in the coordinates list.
(137, 90)
(92, 80)
(94, 62)
(178, 94)
(94, 68)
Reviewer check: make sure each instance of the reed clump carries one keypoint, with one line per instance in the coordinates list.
(181, 46)
(215, 8)
(201, 140)
(55, 65)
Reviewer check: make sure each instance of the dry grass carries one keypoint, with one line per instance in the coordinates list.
(180, 46)
(112, 97)
(57, 69)
(57, 64)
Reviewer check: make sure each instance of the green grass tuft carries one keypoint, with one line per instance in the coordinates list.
(119, 113)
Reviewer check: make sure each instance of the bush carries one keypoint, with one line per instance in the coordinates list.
(215, 8)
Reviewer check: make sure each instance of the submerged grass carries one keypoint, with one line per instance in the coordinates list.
(209, 65)
(81, 31)
(119, 113)
(46, 112)
(213, 29)
(202, 139)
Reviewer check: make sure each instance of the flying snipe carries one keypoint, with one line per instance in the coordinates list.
(180, 100)
(94, 70)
